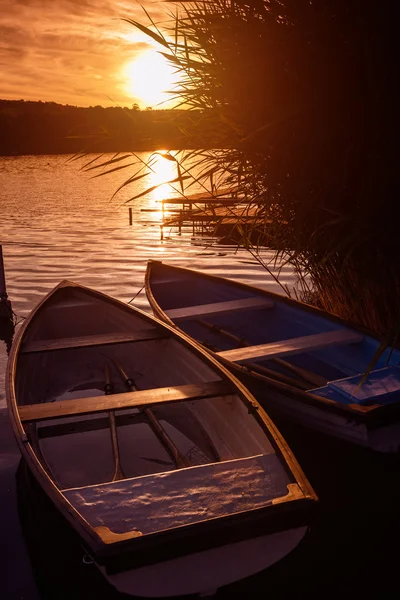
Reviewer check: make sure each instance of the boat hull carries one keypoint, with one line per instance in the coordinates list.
(383, 438)
(178, 469)
(220, 313)
(203, 573)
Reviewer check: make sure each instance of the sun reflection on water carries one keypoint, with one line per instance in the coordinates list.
(162, 171)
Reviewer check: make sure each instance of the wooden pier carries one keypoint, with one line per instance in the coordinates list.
(222, 215)
(212, 221)
(203, 212)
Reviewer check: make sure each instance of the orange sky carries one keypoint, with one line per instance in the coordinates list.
(79, 52)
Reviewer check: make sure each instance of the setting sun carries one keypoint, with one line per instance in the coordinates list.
(149, 77)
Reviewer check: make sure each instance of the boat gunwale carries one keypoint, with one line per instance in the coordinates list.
(89, 536)
(373, 416)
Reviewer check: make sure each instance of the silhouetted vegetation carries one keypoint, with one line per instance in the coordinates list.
(306, 95)
(50, 128)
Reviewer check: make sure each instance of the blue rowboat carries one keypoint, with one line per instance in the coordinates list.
(300, 362)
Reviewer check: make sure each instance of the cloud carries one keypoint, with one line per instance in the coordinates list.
(70, 51)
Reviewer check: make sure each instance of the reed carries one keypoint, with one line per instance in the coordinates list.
(303, 101)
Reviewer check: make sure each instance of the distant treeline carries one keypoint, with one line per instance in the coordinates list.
(48, 128)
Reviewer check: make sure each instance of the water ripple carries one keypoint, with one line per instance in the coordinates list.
(56, 223)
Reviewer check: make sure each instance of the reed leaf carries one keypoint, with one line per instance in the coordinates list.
(155, 36)
(300, 102)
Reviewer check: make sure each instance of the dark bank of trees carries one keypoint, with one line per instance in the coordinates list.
(50, 128)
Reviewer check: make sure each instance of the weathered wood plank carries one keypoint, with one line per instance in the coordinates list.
(190, 312)
(307, 343)
(96, 404)
(143, 335)
(215, 490)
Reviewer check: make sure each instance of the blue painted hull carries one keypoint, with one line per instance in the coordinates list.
(318, 387)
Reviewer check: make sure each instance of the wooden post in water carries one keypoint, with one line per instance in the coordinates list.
(3, 291)
(130, 216)
(6, 313)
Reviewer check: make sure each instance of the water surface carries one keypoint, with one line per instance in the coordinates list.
(58, 222)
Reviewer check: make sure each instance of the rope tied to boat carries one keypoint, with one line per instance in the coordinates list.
(87, 559)
(136, 295)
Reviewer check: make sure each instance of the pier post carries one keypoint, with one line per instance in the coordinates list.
(6, 313)
(130, 216)
(3, 290)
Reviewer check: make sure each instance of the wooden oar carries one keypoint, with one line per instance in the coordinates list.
(253, 367)
(108, 389)
(308, 376)
(180, 460)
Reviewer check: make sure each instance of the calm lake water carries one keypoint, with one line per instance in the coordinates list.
(57, 222)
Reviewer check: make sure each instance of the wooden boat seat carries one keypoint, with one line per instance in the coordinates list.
(307, 343)
(182, 496)
(217, 308)
(97, 404)
(143, 335)
(382, 386)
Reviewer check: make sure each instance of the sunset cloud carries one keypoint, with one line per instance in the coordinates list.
(71, 51)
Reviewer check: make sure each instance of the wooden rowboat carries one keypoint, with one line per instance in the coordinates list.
(300, 362)
(171, 474)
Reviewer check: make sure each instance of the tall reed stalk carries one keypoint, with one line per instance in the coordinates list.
(301, 99)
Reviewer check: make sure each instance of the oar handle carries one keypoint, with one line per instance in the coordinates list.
(129, 382)
(108, 387)
(180, 460)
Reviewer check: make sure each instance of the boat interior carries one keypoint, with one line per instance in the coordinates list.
(115, 404)
(261, 332)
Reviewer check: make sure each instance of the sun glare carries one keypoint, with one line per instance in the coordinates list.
(149, 77)
(162, 171)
